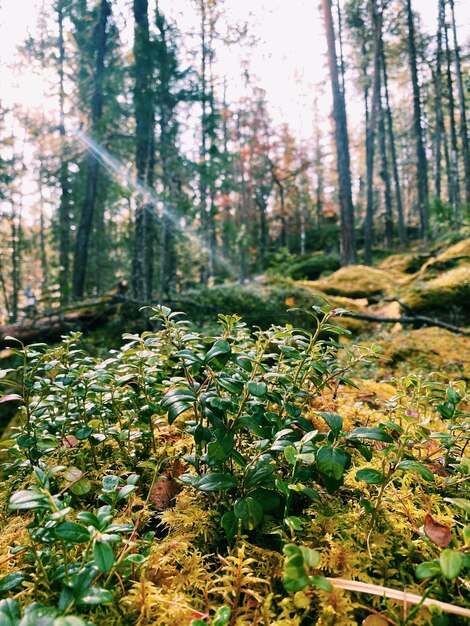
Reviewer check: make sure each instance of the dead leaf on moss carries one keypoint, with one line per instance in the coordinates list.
(437, 532)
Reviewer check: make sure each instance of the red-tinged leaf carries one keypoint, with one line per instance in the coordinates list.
(11, 397)
(437, 532)
(70, 441)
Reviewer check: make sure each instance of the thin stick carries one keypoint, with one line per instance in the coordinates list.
(395, 594)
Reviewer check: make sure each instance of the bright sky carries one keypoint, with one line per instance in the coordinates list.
(288, 60)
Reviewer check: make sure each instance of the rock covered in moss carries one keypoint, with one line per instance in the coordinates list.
(357, 281)
(446, 296)
(406, 263)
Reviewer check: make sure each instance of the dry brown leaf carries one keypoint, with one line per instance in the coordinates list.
(437, 532)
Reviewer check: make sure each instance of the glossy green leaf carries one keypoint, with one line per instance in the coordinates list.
(11, 581)
(249, 511)
(104, 556)
(258, 389)
(428, 569)
(414, 466)
(451, 563)
(370, 476)
(334, 421)
(373, 433)
(216, 482)
(71, 532)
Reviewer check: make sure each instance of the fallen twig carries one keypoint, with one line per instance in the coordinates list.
(409, 319)
(395, 594)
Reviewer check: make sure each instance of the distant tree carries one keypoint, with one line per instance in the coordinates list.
(86, 215)
(144, 105)
(348, 245)
(421, 159)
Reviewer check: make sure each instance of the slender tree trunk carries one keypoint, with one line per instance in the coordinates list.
(144, 152)
(86, 217)
(462, 107)
(421, 160)
(438, 104)
(348, 245)
(454, 158)
(385, 175)
(64, 205)
(342, 69)
(393, 151)
(370, 134)
(16, 246)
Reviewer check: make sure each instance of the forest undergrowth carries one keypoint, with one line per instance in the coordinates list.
(247, 477)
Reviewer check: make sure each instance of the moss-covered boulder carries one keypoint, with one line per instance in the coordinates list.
(455, 256)
(406, 263)
(312, 266)
(357, 281)
(446, 296)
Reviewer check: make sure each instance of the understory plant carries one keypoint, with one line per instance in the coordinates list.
(219, 480)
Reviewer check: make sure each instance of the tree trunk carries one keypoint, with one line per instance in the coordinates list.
(370, 133)
(462, 108)
(144, 157)
(393, 151)
(421, 160)
(454, 159)
(86, 218)
(438, 105)
(348, 245)
(64, 205)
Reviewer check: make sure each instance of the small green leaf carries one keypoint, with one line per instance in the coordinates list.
(249, 511)
(216, 481)
(414, 466)
(95, 595)
(290, 454)
(71, 532)
(453, 396)
(370, 476)
(322, 583)
(104, 556)
(24, 500)
(451, 563)
(222, 616)
(311, 557)
(334, 421)
(428, 569)
(11, 581)
(373, 433)
(257, 389)
(81, 488)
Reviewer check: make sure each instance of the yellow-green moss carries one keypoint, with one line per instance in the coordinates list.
(406, 263)
(355, 281)
(447, 293)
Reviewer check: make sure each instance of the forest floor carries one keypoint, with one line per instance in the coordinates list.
(222, 477)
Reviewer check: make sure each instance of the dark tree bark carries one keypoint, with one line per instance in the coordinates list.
(144, 153)
(86, 217)
(454, 156)
(438, 104)
(348, 244)
(64, 205)
(393, 151)
(462, 107)
(421, 159)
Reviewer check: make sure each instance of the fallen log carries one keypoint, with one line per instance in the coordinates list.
(409, 319)
(48, 328)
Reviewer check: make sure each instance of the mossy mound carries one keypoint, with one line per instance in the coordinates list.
(446, 296)
(455, 256)
(313, 266)
(407, 263)
(426, 350)
(357, 281)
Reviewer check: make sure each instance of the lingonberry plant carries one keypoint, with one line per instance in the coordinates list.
(247, 427)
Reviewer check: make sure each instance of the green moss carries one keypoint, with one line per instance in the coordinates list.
(407, 263)
(446, 295)
(357, 281)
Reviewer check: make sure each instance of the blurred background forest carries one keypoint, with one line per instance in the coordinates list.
(149, 156)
